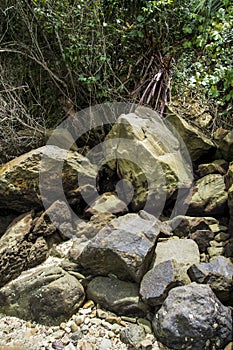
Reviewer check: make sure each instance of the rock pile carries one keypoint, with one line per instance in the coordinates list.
(126, 268)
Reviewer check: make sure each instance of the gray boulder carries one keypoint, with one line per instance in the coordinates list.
(118, 296)
(47, 295)
(157, 282)
(192, 317)
(17, 251)
(125, 248)
(209, 196)
(218, 274)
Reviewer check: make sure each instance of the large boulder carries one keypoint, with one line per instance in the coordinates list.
(157, 282)
(183, 251)
(21, 177)
(125, 248)
(17, 251)
(142, 150)
(209, 196)
(218, 274)
(196, 142)
(118, 296)
(47, 295)
(192, 317)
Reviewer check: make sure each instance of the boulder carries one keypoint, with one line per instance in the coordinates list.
(183, 251)
(224, 140)
(209, 196)
(21, 177)
(192, 317)
(17, 251)
(125, 248)
(183, 226)
(202, 238)
(218, 274)
(196, 142)
(142, 150)
(90, 228)
(57, 218)
(230, 206)
(117, 296)
(157, 282)
(218, 166)
(47, 295)
(107, 203)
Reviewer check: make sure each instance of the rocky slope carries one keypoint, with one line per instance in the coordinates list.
(129, 246)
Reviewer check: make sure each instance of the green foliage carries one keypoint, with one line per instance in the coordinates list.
(103, 50)
(207, 65)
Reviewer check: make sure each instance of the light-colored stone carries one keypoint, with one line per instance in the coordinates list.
(143, 151)
(196, 142)
(184, 251)
(19, 178)
(209, 196)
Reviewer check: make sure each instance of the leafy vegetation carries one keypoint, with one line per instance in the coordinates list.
(75, 53)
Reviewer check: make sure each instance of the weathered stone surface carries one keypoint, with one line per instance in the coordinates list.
(5, 220)
(209, 196)
(192, 317)
(17, 251)
(184, 251)
(125, 248)
(224, 141)
(142, 150)
(91, 228)
(202, 238)
(218, 274)
(230, 206)
(107, 203)
(196, 142)
(118, 296)
(157, 282)
(47, 295)
(56, 218)
(183, 226)
(218, 166)
(19, 178)
(133, 335)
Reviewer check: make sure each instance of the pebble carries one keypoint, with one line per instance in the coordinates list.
(65, 340)
(89, 304)
(79, 320)
(85, 311)
(101, 313)
(105, 344)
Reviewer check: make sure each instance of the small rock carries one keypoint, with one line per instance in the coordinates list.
(89, 304)
(76, 335)
(105, 344)
(101, 313)
(132, 335)
(222, 237)
(74, 327)
(86, 346)
(65, 340)
(57, 345)
(146, 344)
(146, 324)
(79, 320)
